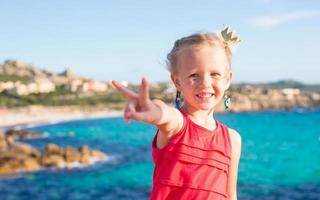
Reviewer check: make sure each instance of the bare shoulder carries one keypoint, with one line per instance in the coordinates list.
(236, 140)
(234, 136)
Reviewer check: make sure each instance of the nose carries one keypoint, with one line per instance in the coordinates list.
(206, 81)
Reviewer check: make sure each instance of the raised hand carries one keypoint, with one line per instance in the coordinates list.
(139, 106)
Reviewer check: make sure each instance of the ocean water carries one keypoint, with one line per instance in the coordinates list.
(280, 159)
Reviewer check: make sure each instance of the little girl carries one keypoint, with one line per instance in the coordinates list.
(195, 156)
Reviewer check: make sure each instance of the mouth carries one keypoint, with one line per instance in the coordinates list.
(205, 95)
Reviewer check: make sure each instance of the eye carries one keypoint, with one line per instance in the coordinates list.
(193, 75)
(215, 75)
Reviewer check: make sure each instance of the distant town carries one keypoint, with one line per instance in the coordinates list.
(23, 84)
(19, 78)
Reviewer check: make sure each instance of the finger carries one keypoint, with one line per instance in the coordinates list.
(125, 91)
(142, 116)
(130, 108)
(126, 115)
(138, 116)
(144, 91)
(127, 112)
(127, 120)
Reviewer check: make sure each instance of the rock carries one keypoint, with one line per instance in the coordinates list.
(30, 164)
(53, 160)
(98, 155)
(53, 156)
(23, 134)
(24, 149)
(19, 157)
(3, 143)
(10, 140)
(85, 153)
(85, 159)
(85, 150)
(89, 156)
(52, 149)
(71, 154)
(14, 165)
(11, 155)
(6, 170)
(9, 166)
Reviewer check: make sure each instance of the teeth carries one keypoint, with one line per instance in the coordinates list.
(205, 95)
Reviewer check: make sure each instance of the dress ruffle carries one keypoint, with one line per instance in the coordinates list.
(195, 158)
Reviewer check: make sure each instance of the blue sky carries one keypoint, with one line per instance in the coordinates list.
(127, 40)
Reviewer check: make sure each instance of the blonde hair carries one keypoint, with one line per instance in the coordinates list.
(196, 40)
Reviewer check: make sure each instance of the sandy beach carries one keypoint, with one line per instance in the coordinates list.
(34, 115)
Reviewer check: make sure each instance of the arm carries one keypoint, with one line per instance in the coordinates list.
(171, 122)
(233, 168)
(141, 108)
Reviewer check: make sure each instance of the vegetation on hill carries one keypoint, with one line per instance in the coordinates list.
(62, 96)
(245, 96)
(284, 84)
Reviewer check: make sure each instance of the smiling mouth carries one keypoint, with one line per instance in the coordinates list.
(205, 95)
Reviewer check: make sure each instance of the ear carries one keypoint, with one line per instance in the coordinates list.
(228, 81)
(176, 81)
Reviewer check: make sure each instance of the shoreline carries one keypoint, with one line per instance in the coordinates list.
(31, 116)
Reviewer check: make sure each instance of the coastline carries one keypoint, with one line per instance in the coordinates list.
(37, 115)
(31, 116)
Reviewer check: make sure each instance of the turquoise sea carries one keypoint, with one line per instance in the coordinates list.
(280, 159)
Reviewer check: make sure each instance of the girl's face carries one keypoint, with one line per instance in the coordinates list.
(202, 76)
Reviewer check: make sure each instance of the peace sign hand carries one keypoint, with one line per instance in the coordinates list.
(139, 106)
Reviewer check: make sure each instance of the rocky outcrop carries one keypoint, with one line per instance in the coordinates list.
(16, 157)
(55, 156)
(247, 99)
(24, 134)
(22, 69)
(3, 143)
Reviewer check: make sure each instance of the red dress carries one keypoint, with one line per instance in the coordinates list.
(193, 165)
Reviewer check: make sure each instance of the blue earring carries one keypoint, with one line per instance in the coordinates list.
(178, 99)
(226, 102)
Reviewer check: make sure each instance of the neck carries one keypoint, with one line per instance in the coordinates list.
(201, 117)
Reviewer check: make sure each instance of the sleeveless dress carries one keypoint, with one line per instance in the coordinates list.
(193, 165)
